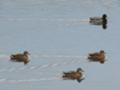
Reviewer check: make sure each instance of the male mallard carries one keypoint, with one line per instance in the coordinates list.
(99, 21)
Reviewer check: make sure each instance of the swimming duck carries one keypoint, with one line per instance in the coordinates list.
(97, 56)
(74, 75)
(20, 57)
(99, 21)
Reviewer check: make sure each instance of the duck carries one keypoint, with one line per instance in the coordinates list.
(99, 21)
(97, 56)
(74, 75)
(20, 57)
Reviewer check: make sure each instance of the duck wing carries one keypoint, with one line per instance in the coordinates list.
(94, 54)
(17, 57)
(96, 20)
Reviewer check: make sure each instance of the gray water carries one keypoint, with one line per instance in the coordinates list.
(59, 37)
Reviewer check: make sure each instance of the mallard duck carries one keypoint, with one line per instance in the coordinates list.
(99, 21)
(74, 75)
(20, 57)
(97, 56)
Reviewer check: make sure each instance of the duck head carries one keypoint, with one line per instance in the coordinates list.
(104, 16)
(80, 69)
(102, 51)
(26, 53)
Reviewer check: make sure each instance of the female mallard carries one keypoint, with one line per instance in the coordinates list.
(74, 75)
(20, 57)
(97, 56)
(99, 21)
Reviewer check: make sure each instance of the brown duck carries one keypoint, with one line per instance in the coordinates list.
(20, 57)
(97, 56)
(74, 75)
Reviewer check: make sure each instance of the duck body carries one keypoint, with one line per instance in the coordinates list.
(97, 57)
(73, 75)
(20, 57)
(99, 21)
(96, 20)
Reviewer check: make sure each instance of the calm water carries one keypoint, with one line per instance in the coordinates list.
(58, 36)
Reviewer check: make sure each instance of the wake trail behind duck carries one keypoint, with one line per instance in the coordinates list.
(77, 22)
(40, 67)
(3, 56)
(6, 57)
(4, 80)
(56, 56)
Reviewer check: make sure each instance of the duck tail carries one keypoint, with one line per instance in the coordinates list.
(12, 57)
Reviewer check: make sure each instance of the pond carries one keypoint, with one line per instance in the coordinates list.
(59, 37)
